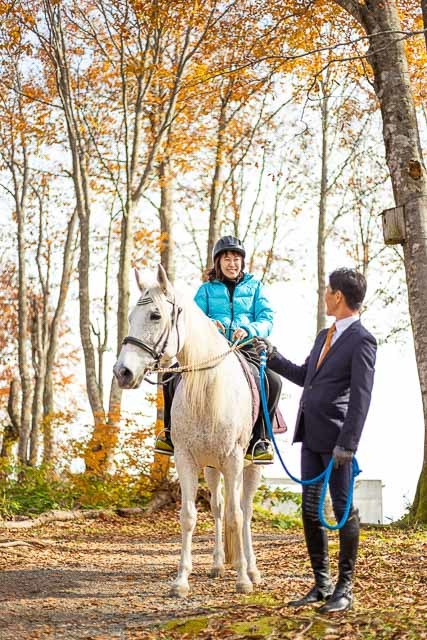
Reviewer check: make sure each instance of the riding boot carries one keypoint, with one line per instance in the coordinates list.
(164, 444)
(342, 597)
(316, 541)
(259, 450)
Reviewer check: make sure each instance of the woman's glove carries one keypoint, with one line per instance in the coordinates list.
(262, 344)
(239, 334)
(341, 456)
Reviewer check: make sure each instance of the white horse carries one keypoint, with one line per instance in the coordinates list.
(211, 422)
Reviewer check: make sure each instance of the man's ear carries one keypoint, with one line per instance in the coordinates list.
(163, 280)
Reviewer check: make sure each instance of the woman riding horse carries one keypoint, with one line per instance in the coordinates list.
(237, 304)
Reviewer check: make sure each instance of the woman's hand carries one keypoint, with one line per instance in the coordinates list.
(239, 334)
(219, 325)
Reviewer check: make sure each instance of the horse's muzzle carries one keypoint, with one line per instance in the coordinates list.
(125, 377)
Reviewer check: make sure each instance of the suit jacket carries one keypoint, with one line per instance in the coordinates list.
(336, 396)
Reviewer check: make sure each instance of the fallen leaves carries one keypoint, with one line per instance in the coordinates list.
(110, 579)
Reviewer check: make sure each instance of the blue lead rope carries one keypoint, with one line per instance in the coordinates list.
(325, 475)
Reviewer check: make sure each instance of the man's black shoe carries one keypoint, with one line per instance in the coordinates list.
(339, 601)
(314, 595)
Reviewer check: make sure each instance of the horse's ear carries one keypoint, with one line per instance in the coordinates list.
(139, 282)
(163, 280)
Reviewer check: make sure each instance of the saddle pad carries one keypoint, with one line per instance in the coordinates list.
(279, 424)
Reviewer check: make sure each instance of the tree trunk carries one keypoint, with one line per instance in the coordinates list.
(23, 342)
(408, 176)
(11, 430)
(105, 436)
(161, 464)
(424, 10)
(167, 249)
(214, 219)
(409, 180)
(321, 227)
(48, 403)
(39, 364)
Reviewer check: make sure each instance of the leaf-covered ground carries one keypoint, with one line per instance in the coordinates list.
(110, 579)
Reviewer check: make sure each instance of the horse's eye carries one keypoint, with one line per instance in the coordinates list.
(155, 315)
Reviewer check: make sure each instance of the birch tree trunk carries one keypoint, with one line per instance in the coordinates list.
(23, 319)
(214, 219)
(161, 464)
(39, 323)
(168, 246)
(408, 176)
(48, 400)
(323, 197)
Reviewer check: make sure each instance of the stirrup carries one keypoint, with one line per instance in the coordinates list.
(162, 445)
(260, 460)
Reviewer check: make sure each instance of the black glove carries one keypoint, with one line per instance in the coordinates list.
(341, 456)
(262, 344)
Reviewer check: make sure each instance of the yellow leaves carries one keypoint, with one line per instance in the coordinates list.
(201, 72)
(416, 53)
(66, 380)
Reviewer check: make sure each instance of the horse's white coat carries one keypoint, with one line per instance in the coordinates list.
(211, 426)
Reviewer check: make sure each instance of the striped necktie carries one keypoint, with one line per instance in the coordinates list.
(327, 344)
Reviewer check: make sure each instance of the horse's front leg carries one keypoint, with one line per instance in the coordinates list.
(233, 475)
(213, 478)
(251, 479)
(188, 478)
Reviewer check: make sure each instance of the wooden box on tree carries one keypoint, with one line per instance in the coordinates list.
(394, 225)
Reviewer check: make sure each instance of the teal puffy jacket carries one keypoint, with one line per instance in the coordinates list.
(250, 308)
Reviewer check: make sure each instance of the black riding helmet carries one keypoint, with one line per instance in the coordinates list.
(228, 243)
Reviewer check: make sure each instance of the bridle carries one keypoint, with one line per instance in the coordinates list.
(154, 350)
(157, 354)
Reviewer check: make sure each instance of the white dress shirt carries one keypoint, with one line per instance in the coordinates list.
(342, 325)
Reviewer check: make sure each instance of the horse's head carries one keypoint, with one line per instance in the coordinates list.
(156, 333)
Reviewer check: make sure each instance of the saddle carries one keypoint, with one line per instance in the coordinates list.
(251, 371)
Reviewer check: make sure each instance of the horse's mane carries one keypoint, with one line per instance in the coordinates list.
(202, 342)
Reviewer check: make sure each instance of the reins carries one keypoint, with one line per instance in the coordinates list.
(325, 475)
(210, 363)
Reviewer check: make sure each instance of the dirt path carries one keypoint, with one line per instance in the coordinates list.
(110, 579)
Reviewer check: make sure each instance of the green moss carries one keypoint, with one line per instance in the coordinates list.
(255, 628)
(261, 599)
(191, 626)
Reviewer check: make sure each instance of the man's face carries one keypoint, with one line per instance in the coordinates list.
(332, 301)
(230, 264)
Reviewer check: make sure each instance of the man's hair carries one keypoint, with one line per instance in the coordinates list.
(352, 285)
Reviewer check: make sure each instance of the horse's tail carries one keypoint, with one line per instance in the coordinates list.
(230, 533)
(229, 546)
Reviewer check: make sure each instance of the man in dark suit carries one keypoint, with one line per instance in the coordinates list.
(337, 378)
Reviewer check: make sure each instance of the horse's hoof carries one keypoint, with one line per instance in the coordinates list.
(244, 587)
(255, 576)
(217, 572)
(179, 591)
